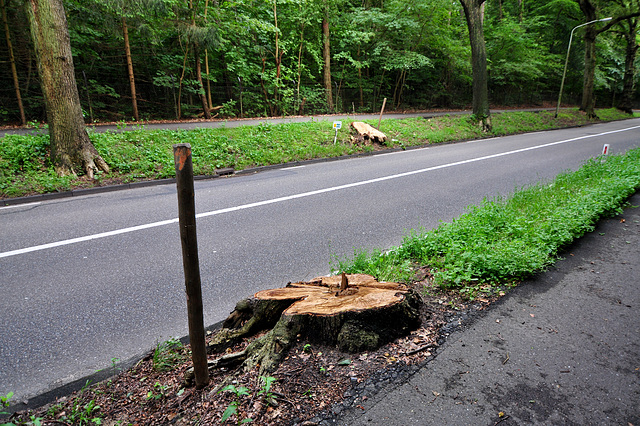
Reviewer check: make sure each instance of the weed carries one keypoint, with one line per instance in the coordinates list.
(158, 392)
(25, 166)
(167, 355)
(4, 404)
(84, 414)
(232, 408)
(266, 389)
(114, 364)
(504, 240)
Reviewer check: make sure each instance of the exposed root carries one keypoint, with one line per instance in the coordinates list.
(354, 312)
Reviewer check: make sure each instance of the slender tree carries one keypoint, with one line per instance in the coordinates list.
(70, 144)
(326, 55)
(12, 60)
(474, 12)
(132, 79)
(196, 53)
(630, 33)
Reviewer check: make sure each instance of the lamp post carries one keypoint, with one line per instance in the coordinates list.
(566, 62)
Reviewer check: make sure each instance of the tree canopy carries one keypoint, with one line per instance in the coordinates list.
(165, 59)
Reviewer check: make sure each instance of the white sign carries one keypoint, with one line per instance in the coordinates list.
(605, 149)
(337, 125)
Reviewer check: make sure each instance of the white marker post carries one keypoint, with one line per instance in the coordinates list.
(336, 125)
(605, 149)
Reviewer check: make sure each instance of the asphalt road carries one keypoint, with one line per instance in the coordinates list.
(88, 279)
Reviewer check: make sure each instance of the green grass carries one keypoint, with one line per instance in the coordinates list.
(507, 239)
(25, 167)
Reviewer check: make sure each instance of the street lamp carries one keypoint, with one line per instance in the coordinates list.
(566, 62)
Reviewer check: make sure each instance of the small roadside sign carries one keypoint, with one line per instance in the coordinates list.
(336, 125)
(605, 149)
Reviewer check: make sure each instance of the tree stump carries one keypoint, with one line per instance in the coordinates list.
(366, 132)
(354, 312)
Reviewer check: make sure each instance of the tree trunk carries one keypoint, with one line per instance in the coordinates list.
(201, 92)
(590, 34)
(298, 100)
(206, 58)
(366, 132)
(474, 12)
(184, 69)
(360, 92)
(521, 10)
(626, 101)
(588, 81)
(132, 81)
(326, 54)
(278, 59)
(70, 144)
(12, 60)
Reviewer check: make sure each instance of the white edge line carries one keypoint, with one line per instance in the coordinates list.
(301, 195)
(21, 205)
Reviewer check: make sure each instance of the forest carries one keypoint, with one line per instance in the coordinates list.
(179, 59)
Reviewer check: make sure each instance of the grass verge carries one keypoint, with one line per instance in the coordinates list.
(26, 169)
(503, 240)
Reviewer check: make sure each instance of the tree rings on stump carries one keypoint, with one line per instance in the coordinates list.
(354, 312)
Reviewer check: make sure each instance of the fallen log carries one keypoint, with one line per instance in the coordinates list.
(354, 312)
(366, 132)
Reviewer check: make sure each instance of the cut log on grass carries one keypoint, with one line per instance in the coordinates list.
(354, 312)
(366, 132)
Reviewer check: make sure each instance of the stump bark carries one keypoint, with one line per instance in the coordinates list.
(366, 132)
(354, 312)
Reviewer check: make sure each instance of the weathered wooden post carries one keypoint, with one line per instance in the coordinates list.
(187, 220)
(384, 103)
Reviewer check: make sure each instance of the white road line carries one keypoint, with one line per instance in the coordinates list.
(21, 205)
(301, 195)
(402, 152)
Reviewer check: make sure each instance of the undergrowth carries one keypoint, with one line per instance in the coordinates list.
(506, 239)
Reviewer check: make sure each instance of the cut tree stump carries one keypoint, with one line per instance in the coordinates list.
(366, 132)
(354, 312)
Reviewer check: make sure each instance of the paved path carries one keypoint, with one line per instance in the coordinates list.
(563, 348)
(216, 123)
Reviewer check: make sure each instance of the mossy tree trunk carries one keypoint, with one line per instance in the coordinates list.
(474, 12)
(70, 144)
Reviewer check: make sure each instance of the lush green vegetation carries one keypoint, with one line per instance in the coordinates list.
(25, 167)
(268, 58)
(507, 239)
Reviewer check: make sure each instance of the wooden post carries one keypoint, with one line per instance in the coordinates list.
(381, 111)
(187, 220)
